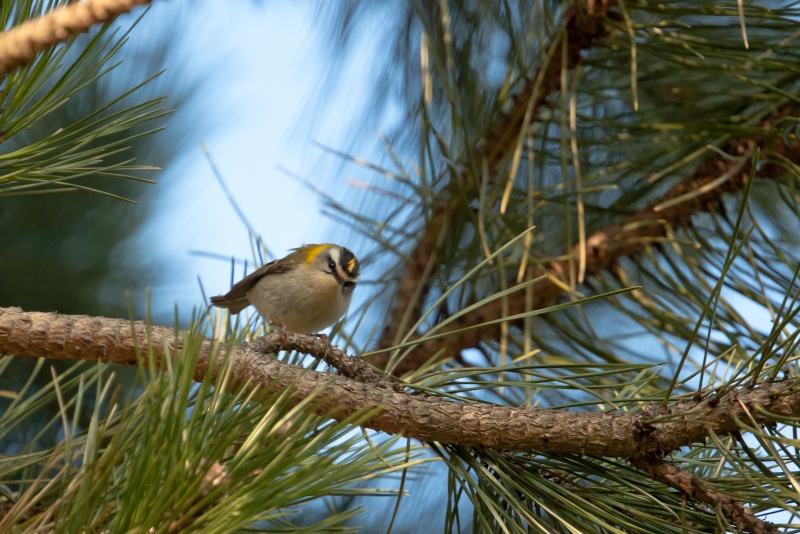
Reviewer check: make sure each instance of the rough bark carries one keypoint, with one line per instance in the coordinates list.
(414, 415)
(675, 477)
(643, 438)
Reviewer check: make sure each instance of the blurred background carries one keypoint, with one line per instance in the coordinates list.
(252, 82)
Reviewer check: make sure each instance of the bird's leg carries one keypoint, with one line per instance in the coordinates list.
(284, 335)
(282, 332)
(327, 343)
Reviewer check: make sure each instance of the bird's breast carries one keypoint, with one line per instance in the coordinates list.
(300, 302)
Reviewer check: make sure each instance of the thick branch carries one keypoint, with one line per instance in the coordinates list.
(630, 236)
(427, 418)
(20, 45)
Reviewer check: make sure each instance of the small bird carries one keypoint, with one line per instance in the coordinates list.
(304, 292)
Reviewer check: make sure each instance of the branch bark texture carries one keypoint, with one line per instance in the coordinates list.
(19, 45)
(424, 417)
(428, 418)
(675, 477)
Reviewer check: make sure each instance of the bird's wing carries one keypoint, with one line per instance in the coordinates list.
(236, 299)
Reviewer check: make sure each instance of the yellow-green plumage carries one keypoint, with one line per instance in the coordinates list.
(306, 291)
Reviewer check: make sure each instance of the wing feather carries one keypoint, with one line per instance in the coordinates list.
(236, 299)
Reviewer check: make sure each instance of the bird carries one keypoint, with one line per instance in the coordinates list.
(305, 292)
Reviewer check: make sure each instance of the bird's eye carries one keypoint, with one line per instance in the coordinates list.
(331, 265)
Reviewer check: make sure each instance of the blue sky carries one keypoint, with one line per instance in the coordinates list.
(264, 71)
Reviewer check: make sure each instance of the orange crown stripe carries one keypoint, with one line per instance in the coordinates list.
(313, 252)
(350, 265)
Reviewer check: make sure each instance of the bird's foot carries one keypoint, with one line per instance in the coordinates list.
(327, 341)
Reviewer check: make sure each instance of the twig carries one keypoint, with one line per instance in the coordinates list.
(685, 482)
(349, 366)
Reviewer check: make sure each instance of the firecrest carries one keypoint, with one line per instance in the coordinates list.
(304, 292)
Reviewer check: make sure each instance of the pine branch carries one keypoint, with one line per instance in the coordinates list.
(685, 482)
(19, 45)
(631, 436)
(636, 437)
(631, 236)
(582, 30)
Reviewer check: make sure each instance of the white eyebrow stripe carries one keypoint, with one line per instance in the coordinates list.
(334, 255)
